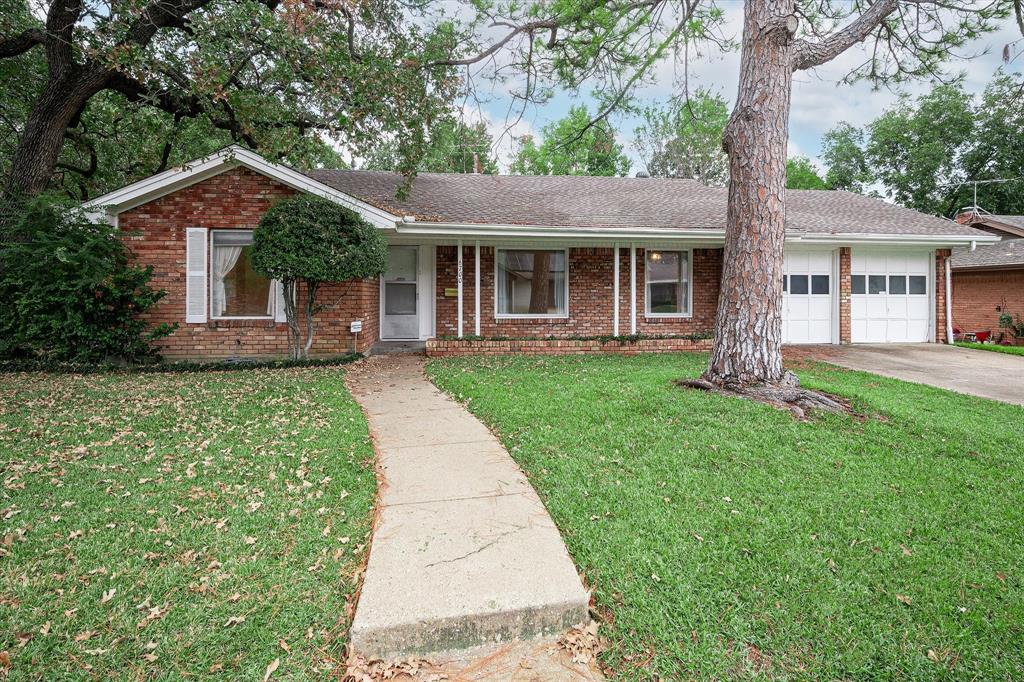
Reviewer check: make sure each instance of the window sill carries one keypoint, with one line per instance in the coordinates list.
(503, 319)
(236, 322)
(668, 316)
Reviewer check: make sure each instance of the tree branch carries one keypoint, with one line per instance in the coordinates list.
(807, 55)
(528, 27)
(161, 14)
(60, 32)
(21, 43)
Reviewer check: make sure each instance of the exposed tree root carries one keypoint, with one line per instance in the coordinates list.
(785, 395)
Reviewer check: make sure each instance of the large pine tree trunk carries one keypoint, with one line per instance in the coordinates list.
(748, 330)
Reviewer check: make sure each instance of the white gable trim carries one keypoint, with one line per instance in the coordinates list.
(161, 184)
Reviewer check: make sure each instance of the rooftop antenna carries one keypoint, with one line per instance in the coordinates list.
(974, 209)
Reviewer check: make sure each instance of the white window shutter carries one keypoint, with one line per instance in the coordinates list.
(279, 312)
(195, 274)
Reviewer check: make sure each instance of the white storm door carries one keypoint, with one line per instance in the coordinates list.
(807, 297)
(400, 295)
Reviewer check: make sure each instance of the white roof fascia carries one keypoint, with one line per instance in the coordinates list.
(492, 231)
(932, 240)
(164, 183)
(484, 231)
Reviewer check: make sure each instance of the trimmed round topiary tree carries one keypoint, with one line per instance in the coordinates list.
(309, 240)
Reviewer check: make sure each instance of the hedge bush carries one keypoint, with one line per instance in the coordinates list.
(70, 292)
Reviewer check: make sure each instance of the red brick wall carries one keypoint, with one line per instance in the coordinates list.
(236, 199)
(448, 347)
(590, 296)
(977, 295)
(845, 291)
(940, 294)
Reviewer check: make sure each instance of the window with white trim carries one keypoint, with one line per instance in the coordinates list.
(236, 289)
(531, 283)
(668, 283)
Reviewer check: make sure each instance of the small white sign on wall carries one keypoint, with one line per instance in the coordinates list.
(356, 326)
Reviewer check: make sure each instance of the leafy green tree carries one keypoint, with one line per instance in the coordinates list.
(71, 292)
(925, 152)
(915, 149)
(843, 154)
(269, 74)
(801, 174)
(574, 145)
(453, 148)
(684, 139)
(306, 240)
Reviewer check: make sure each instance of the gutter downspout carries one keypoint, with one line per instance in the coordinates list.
(949, 303)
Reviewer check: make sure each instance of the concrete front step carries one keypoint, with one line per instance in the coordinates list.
(457, 573)
(464, 552)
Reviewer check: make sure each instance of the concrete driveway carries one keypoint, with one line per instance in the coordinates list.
(977, 372)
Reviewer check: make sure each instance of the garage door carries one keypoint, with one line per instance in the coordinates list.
(890, 300)
(807, 297)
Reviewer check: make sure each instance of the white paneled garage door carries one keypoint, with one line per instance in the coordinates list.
(890, 301)
(807, 301)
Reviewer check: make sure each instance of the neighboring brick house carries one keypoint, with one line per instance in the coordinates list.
(522, 263)
(988, 280)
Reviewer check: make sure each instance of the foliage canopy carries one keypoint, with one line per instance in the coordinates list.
(924, 152)
(570, 147)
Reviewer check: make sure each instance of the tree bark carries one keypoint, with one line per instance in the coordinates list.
(62, 99)
(540, 289)
(747, 347)
(311, 287)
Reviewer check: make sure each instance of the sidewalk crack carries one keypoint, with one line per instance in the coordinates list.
(478, 549)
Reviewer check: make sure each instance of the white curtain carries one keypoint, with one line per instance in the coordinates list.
(559, 272)
(224, 259)
(272, 296)
(504, 304)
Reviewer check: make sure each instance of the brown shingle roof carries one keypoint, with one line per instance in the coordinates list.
(603, 202)
(1007, 253)
(1011, 220)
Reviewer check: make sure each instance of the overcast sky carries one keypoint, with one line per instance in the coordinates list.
(818, 102)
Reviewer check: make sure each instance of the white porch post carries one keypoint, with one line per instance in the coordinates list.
(632, 288)
(476, 289)
(458, 281)
(615, 289)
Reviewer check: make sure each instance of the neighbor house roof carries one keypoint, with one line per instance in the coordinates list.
(1008, 253)
(612, 202)
(1011, 220)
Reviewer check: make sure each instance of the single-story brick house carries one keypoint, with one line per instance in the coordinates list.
(540, 264)
(989, 280)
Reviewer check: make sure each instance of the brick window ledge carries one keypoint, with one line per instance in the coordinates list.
(244, 324)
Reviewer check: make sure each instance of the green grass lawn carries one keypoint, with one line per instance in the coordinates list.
(1011, 350)
(175, 525)
(724, 539)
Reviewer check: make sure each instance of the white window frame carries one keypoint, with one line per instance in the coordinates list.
(209, 286)
(689, 284)
(498, 315)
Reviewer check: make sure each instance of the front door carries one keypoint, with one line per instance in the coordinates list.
(400, 296)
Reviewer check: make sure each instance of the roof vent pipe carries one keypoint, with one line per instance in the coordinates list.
(642, 174)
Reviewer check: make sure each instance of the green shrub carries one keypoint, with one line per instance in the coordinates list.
(311, 240)
(1012, 323)
(70, 291)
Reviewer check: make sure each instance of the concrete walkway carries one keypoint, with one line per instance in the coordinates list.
(463, 553)
(987, 374)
